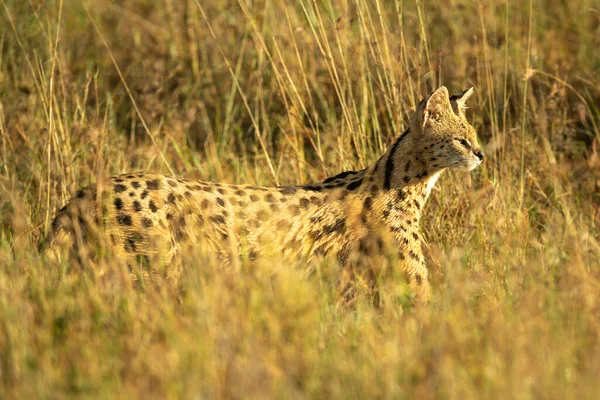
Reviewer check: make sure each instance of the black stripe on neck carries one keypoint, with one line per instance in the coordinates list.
(341, 175)
(389, 164)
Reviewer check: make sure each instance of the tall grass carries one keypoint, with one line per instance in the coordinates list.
(289, 92)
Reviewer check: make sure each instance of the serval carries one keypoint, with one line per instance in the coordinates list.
(149, 218)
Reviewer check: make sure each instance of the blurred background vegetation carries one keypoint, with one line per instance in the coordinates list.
(284, 92)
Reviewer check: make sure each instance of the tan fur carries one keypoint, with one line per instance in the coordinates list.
(351, 217)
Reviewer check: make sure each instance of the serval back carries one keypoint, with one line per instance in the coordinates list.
(148, 218)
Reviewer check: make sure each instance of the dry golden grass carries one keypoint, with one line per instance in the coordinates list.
(289, 92)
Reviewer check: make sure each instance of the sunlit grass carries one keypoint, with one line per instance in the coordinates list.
(289, 92)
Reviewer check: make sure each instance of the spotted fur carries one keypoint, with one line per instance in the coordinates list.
(351, 217)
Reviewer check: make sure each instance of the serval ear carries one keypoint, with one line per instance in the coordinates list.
(434, 107)
(458, 101)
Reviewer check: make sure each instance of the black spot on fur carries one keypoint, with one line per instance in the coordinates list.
(321, 251)
(153, 206)
(419, 279)
(363, 216)
(416, 236)
(135, 184)
(219, 219)
(240, 192)
(56, 224)
(270, 198)
(312, 188)
(316, 219)
(342, 255)
(368, 203)
(80, 193)
(120, 188)
(400, 195)
(130, 245)
(146, 223)
(337, 226)
(144, 194)
(340, 176)
(124, 220)
(220, 202)
(253, 197)
(304, 203)
(171, 198)
(118, 203)
(172, 183)
(414, 255)
(180, 234)
(288, 190)
(137, 206)
(153, 184)
(335, 185)
(354, 184)
(364, 248)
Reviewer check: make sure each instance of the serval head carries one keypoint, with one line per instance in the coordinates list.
(444, 136)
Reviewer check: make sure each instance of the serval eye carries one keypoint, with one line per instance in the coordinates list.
(464, 142)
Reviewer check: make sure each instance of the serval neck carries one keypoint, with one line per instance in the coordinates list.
(399, 182)
(402, 167)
